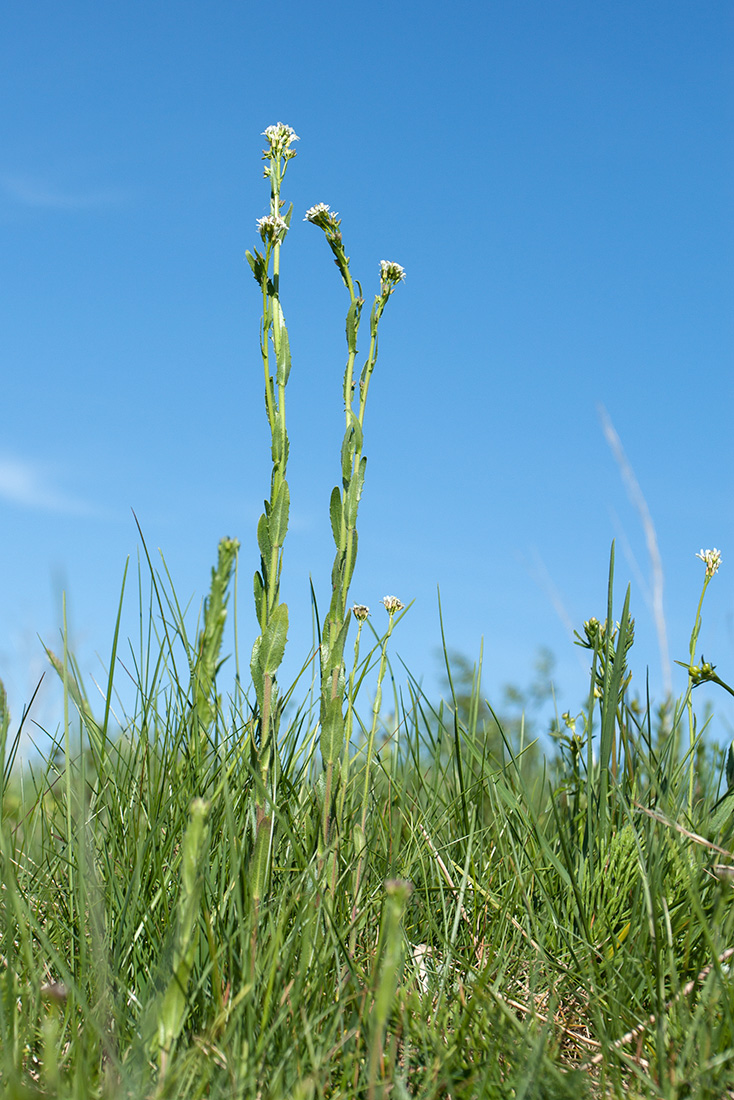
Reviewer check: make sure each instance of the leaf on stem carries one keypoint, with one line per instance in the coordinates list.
(335, 514)
(332, 730)
(353, 316)
(259, 591)
(264, 541)
(353, 494)
(279, 512)
(275, 636)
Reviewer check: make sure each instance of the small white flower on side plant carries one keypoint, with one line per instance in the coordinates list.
(390, 275)
(711, 559)
(279, 138)
(392, 604)
(318, 213)
(360, 612)
(272, 227)
(325, 219)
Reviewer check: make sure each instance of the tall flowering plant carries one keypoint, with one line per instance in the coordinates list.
(345, 498)
(272, 615)
(699, 674)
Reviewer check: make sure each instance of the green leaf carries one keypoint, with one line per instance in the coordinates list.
(335, 657)
(263, 539)
(278, 522)
(337, 570)
(354, 493)
(256, 671)
(283, 349)
(260, 860)
(332, 731)
(279, 447)
(350, 564)
(269, 391)
(274, 640)
(347, 455)
(377, 307)
(351, 445)
(259, 590)
(257, 263)
(722, 816)
(335, 513)
(173, 1006)
(353, 316)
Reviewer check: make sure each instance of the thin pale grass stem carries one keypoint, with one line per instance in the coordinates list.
(637, 498)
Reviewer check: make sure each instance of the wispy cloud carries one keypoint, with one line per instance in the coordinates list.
(635, 494)
(31, 485)
(42, 194)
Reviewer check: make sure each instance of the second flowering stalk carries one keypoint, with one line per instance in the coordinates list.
(344, 503)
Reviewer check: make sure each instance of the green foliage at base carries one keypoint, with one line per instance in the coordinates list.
(489, 928)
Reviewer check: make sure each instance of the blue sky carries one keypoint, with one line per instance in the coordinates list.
(555, 179)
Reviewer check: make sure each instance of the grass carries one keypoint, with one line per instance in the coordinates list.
(303, 893)
(487, 928)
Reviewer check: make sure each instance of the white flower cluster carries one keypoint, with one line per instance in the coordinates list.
(318, 212)
(272, 227)
(711, 559)
(392, 604)
(325, 219)
(279, 138)
(360, 612)
(390, 275)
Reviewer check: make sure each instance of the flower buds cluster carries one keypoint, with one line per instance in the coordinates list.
(701, 673)
(360, 612)
(390, 275)
(594, 632)
(279, 138)
(392, 604)
(323, 217)
(711, 559)
(272, 228)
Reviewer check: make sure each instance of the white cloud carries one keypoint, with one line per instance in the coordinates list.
(30, 191)
(30, 485)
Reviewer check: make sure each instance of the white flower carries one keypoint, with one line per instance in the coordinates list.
(318, 211)
(272, 226)
(360, 612)
(280, 136)
(711, 559)
(392, 604)
(391, 272)
(325, 219)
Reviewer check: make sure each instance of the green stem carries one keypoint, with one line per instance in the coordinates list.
(67, 784)
(368, 766)
(348, 725)
(364, 382)
(689, 701)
